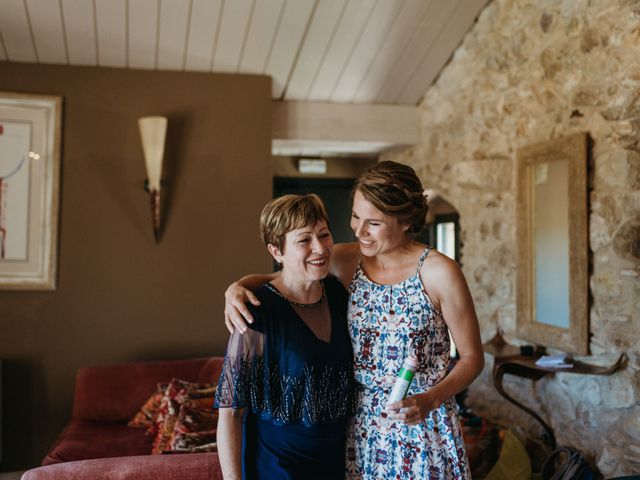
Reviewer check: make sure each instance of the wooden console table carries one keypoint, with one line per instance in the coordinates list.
(509, 359)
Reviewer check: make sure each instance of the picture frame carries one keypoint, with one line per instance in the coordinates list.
(30, 138)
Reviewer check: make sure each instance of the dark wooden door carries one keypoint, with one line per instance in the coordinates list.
(334, 192)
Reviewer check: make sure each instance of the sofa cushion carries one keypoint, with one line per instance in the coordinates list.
(83, 439)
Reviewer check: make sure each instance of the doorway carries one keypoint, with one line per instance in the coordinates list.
(442, 230)
(334, 192)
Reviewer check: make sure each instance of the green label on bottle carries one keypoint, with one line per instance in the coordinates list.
(406, 374)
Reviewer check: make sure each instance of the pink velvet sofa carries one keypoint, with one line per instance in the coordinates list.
(97, 444)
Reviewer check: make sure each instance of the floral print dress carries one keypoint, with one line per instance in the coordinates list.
(387, 323)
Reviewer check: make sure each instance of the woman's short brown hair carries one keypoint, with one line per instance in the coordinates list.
(289, 212)
(395, 190)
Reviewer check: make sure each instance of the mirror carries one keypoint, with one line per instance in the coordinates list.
(552, 237)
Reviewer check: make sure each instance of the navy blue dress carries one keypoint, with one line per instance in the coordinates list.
(298, 390)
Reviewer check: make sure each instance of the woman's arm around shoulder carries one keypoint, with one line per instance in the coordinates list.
(344, 262)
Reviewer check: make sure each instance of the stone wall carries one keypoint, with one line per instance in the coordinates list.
(530, 71)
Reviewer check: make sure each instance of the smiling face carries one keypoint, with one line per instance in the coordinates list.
(376, 233)
(306, 252)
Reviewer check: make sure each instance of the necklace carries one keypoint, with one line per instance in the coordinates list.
(293, 302)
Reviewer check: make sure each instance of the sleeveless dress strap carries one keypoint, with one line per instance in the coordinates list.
(422, 257)
(358, 271)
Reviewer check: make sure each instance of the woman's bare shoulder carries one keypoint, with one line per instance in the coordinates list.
(436, 261)
(439, 272)
(440, 266)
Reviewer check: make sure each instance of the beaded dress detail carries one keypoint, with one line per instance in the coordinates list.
(387, 323)
(298, 390)
(281, 372)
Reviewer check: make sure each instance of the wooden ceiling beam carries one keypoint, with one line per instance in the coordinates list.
(356, 128)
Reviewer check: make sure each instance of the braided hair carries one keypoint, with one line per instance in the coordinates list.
(395, 190)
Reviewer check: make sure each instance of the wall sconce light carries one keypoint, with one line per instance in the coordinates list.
(152, 132)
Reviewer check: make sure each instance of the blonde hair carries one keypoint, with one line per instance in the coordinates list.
(395, 190)
(289, 212)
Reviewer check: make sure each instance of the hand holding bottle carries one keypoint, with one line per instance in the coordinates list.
(410, 410)
(414, 409)
(403, 381)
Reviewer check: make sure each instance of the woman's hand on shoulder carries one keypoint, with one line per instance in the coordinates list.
(236, 313)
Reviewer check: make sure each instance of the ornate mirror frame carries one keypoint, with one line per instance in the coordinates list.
(575, 339)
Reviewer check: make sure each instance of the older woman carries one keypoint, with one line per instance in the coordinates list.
(291, 373)
(404, 298)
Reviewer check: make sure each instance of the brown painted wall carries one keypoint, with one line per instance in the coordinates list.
(121, 297)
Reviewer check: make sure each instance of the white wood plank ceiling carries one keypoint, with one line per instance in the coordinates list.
(344, 51)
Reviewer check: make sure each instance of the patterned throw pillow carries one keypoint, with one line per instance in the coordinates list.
(146, 416)
(185, 417)
(194, 430)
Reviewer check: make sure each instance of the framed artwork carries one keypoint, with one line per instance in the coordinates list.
(30, 127)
